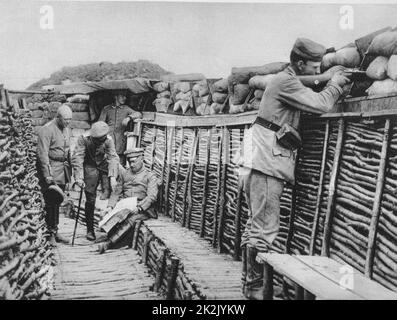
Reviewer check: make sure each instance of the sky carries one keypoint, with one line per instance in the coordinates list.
(182, 37)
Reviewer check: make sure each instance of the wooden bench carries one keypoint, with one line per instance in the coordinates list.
(319, 277)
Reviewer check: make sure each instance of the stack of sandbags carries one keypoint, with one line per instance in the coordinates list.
(182, 93)
(219, 93)
(43, 108)
(163, 99)
(81, 121)
(238, 83)
(259, 84)
(383, 69)
(347, 56)
(201, 96)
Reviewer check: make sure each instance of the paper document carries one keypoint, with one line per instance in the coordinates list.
(127, 203)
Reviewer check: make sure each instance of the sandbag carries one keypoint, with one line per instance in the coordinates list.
(392, 67)
(240, 92)
(203, 109)
(203, 99)
(239, 108)
(254, 104)
(162, 104)
(384, 44)
(164, 94)
(378, 68)
(32, 106)
(200, 89)
(79, 125)
(216, 108)
(219, 97)
(37, 114)
(38, 121)
(161, 86)
(258, 93)
(220, 86)
(78, 98)
(181, 105)
(242, 75)
(183, 96)
(81, 116)
(348, 57)
(260, 82)
(53, 106)
(382, 87)
(181, 87)
(77, 107)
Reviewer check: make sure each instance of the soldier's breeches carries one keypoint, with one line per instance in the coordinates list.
(263, 195)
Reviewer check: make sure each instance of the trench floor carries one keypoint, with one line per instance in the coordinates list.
(82, 273)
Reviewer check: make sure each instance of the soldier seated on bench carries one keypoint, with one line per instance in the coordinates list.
(137, 182)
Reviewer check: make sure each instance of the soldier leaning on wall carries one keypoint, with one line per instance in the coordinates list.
(53, 167)
(270, 148)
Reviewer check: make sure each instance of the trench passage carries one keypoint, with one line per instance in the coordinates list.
(82, 273)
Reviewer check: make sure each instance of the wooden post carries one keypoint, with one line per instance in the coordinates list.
(188, 178)
(292, 212)
(320, 190)
(136, 234)
(267, 281)
(218, 189)
(161, 201)
(190, 181)
(172, 278)
(332, 193)
(138, 133)
(146, 242)
(169, 165)
(3, 99)
(160, 270)
(153, 147)
(298, 292)
(178, 165)
(369, 261)
(205, 182)
(225, 160)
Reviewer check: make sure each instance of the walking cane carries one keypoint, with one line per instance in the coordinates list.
(77, 216)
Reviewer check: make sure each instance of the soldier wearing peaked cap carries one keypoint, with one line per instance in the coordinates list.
(117, 116)
(53, 166)
(137, 182)
(270, 149)
(94, 160)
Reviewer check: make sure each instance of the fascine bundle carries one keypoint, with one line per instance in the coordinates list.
(238, 83)
(163, 100)
(383, 69)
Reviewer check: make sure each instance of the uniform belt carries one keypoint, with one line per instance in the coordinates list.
(55, 158)
(267, 124)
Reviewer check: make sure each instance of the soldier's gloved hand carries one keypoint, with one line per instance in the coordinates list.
(113, 183)
(334, 70)
(125, 121)
(49, 180)
(80, 183)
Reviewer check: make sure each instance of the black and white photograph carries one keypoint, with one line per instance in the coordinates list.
(212, 151)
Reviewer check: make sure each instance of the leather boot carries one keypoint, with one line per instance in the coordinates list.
(244, 268)
(89, 220)
(254, 283)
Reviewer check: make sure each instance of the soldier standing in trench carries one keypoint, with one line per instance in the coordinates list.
(53, 166)
(270, 149)
(94, 157)
(117, 116)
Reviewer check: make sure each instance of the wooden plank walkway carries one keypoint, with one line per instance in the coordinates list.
(82, 273)
(216, 275)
